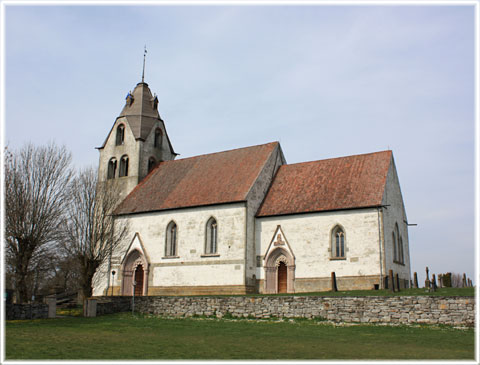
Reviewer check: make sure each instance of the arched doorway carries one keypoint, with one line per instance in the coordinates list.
(135, 268)
(279, 272)
(282, 278)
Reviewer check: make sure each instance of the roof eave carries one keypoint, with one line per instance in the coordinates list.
(178, 208)
(320, 211)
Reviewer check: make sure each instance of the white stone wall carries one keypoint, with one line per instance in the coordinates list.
(309, 236)
(394, 212)
(191, 267)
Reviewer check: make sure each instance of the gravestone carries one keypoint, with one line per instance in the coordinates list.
(391, 283)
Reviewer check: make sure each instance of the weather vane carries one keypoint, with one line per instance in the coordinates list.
(144, 55)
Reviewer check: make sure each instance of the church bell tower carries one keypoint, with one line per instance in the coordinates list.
(137, 142)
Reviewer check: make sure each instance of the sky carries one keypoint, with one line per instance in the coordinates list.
(325, 81)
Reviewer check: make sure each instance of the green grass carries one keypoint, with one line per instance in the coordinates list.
(123, 336)
(448, 292)
(75, 312)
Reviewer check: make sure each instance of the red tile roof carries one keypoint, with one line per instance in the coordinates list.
(215, 178)
(337, 183)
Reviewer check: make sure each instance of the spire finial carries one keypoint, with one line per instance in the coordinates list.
(144, 54)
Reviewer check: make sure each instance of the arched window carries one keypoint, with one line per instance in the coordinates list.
(338, 242)
(397, 246)
(112, 168)
(120, 135)
(157, 142)
(151, 163)
(171, 240)
(124, 166)
(394, 243)
(211, 237)
(400, 250)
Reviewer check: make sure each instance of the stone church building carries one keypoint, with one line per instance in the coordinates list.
(243, 220)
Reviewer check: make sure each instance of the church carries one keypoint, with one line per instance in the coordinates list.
(244, 221)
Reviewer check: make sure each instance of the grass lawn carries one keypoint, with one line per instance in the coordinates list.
(447, 292)
(140, 337)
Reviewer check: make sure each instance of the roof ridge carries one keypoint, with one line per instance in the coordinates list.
(337, 158)
(233, 149)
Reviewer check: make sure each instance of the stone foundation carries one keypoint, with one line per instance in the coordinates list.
(191, 290)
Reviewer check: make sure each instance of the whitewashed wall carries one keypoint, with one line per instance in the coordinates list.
(309, 236)
(190, 268)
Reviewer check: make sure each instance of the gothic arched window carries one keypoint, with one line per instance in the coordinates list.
(124, 166)
(211, 237)
(394, 240)
(171, 240)
(400, 250)
(338, 242)
(120, 135)
(157, 142)
(397, 246)
(112, 168)
(151, 163)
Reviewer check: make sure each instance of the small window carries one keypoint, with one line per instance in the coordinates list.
(124, 166)
(171, 240)
(112, 168)
(120, 135)
(211, 237)
(394, 240)
(397, 246)
(400, 249)
(338, 243)
(151, 163)
(157, 143)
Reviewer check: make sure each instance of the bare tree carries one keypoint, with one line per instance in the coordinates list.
(457, 280)
(35, 194)
(91, 234)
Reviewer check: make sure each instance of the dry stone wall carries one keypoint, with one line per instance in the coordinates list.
(457, 311)
(26, 311)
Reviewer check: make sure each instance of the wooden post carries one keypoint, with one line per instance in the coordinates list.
(397, 282)
(415, 280)
(333, 282)
(391, 284)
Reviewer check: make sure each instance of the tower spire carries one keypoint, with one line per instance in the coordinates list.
(144, 54)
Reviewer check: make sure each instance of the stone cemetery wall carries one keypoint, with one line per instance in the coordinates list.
(459, 311)
(26, 311)
(108, 305)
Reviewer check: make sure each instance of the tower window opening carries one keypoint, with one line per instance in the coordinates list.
(151, 163)
(120, 135)
(157, 143)
(112, 168)
(124, 166)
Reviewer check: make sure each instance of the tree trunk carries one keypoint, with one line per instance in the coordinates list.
(89, 267)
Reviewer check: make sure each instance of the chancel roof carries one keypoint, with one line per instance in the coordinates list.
(333, 184)
(215, 178)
